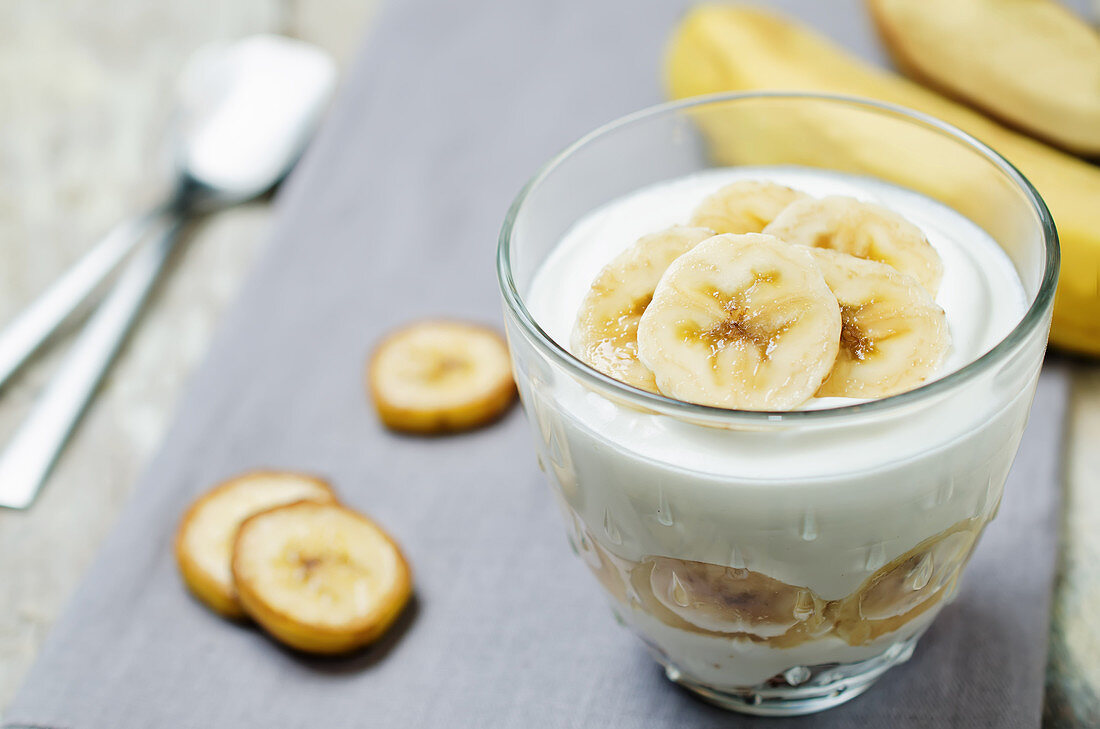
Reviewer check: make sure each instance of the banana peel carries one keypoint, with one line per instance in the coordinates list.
(722, 48)
(1034, 64)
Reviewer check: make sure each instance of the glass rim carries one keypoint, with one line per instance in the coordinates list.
(1032, 318)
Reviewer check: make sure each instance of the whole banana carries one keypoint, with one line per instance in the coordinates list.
(734, 48)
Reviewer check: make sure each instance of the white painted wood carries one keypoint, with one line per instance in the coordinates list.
(86, 87)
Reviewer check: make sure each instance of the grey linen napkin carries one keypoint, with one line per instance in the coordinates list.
(393, 215)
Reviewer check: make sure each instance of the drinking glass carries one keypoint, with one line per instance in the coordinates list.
(778, 562)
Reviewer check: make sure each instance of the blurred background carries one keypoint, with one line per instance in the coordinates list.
(86, 88)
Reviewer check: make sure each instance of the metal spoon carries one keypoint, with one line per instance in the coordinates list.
(246, 111)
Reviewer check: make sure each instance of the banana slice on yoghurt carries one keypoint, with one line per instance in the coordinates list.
(606, 332)
(861, 229)
(741, 321)
(893, 336)
(746, 206)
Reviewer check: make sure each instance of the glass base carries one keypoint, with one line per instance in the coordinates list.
(800, 689)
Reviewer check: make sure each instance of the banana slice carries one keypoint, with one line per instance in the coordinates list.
(319, 577)
(746, 206)
(723, 599)
(893, 336)
(606, 333)
(441, 376)
(861, 229)
(743, 322)
(204, 539)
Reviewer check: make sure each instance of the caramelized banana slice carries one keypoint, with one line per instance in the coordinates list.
(441, 376)
(743, 322)
(606, 333)
(722, 599)
(893, 336)
(861, 229)
(204, 539)
(319, 577)
(746, 206)
(911, 584)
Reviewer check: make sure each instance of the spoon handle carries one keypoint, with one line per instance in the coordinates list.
(32, 450)
(26, 333)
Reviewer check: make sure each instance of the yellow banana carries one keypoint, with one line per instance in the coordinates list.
(1033, 64)
(722, 48)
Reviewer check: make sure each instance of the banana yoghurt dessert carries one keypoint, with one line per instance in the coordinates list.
(749, 556)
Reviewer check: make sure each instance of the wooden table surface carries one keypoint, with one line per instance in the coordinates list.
(86, 87)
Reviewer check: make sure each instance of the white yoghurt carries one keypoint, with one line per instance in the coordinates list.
(820, 505)
(981, 294)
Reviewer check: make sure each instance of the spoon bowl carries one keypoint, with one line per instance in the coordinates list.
(246, 110)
